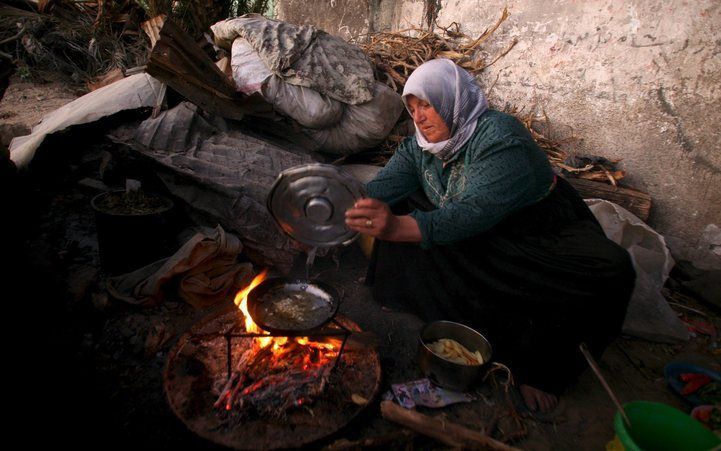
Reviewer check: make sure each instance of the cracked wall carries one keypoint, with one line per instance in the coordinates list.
(638, 80)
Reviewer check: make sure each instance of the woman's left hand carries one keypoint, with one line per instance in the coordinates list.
(371, 217)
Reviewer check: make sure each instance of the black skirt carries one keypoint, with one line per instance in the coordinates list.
(536, 285)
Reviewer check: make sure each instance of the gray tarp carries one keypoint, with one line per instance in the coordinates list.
(303, 56)
(136, 91)
(221, 172)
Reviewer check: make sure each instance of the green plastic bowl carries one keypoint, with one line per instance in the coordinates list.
(656, 426)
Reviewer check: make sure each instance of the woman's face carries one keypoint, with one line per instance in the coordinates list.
(427, 120)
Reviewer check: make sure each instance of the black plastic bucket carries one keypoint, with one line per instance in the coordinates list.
(128, 241)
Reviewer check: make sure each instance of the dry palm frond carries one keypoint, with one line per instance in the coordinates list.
(397, 54)
(571, 164)
(84, 39)
(76, 40)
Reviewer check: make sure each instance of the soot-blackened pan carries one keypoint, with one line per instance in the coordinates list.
(280, 305)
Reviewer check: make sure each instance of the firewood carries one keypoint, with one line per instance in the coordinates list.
(637, 202)
(274, 394)
(271, 381)
(440, 429)
(239, 384)
(225, 392)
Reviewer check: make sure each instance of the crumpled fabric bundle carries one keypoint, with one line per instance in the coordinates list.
(303, 56)
(336, 127)
(203, 272)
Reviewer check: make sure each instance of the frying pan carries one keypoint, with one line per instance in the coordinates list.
(281, 305)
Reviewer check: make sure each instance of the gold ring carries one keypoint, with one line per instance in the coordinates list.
(369, 223)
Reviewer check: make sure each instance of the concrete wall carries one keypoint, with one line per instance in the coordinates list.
(637, 79)
(344, 18)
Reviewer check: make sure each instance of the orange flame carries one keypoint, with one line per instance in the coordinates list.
(288, 354)
(241, 300)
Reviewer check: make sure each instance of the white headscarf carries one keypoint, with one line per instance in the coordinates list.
(457, 98)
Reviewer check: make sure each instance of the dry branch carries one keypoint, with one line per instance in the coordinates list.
(590, 168)
(440, 429)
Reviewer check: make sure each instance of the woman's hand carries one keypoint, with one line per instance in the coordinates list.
(373, 217)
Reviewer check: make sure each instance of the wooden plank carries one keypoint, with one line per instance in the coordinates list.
(637, 202)
(152, 28)
(178, 61)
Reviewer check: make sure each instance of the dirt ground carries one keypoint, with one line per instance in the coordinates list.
(25, 102)
(89, 369)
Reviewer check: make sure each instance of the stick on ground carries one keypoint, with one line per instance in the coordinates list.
(440, 429)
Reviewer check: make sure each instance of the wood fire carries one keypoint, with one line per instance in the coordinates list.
(275, 373)
(198, 372)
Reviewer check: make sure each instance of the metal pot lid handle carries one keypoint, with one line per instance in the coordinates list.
(309, 202)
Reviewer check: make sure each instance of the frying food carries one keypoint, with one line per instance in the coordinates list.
(294, 310)
(455, 352)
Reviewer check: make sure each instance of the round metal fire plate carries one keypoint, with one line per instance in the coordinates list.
(309, 203)
(197, 368)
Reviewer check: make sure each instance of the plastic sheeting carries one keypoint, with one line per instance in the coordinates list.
(649, 316)
(136, 91)
(222, 173)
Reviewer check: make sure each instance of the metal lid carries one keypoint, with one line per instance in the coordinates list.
(309, 203)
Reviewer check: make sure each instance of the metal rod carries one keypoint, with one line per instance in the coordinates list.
(592, 362)
(340, 351)
(326, 333)
(345, 332)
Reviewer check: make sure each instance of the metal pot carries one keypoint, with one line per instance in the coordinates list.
(449, 374)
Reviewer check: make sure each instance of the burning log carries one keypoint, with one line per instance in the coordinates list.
(275, 394)
(271, 381)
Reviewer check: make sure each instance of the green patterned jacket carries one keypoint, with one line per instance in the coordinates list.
(498, 171)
